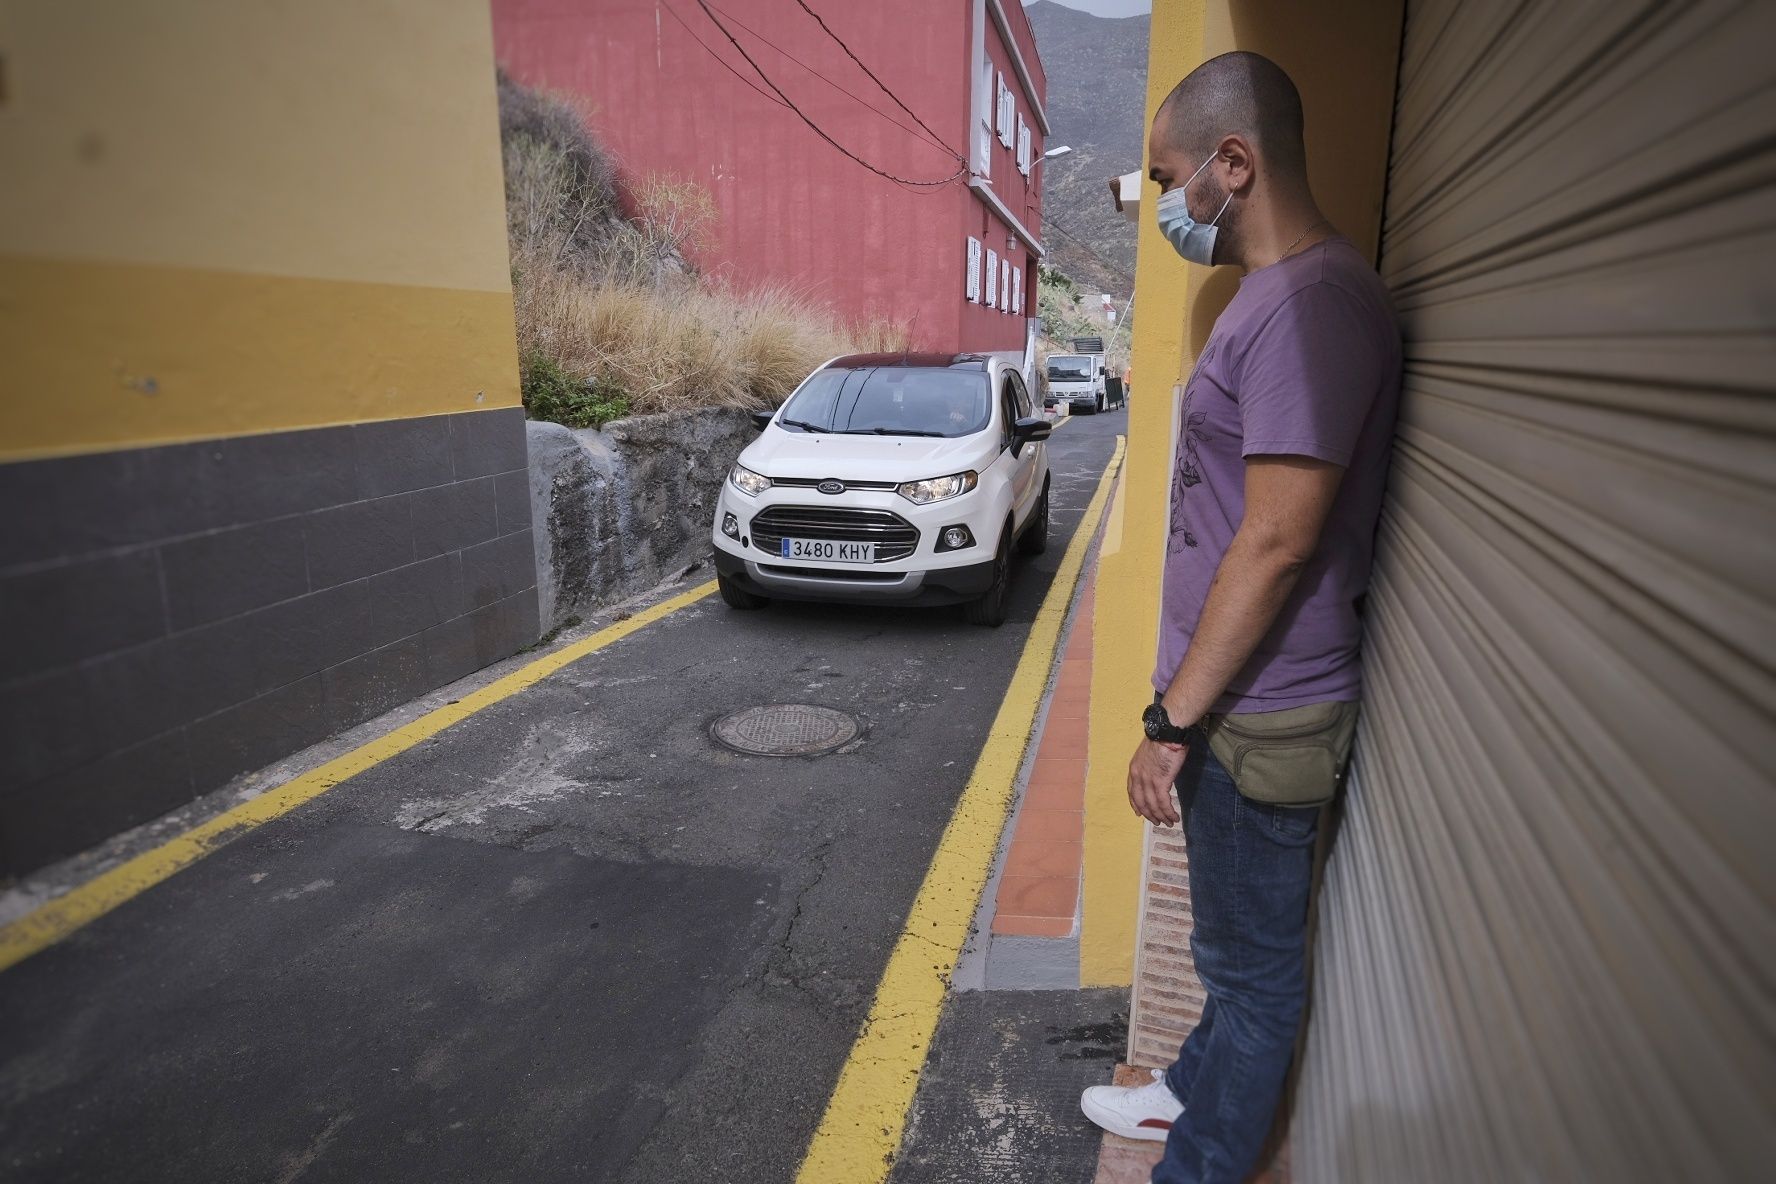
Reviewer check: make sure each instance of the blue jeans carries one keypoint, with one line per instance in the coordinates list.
(1251, 868)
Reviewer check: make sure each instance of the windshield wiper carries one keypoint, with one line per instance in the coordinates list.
(796, 423)
(889, 432)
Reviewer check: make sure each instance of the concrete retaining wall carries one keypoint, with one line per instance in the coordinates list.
(617, 511)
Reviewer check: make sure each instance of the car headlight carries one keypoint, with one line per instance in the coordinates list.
(749, 482)
(938, 489)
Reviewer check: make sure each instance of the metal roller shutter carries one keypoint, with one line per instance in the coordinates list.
(1547, 945)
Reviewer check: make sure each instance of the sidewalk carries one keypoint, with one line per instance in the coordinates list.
(1019, 1040)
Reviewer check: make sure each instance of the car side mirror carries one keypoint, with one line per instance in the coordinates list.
(762, 419)
(1028, 430)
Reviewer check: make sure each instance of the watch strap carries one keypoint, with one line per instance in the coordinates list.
(1166, 732)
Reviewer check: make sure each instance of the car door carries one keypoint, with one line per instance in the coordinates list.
(1038, 451)
(1014, 403)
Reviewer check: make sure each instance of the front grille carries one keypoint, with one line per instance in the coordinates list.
(859, 574)
(812, 482)
(894, 536)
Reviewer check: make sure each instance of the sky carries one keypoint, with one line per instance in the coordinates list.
(1108, 7)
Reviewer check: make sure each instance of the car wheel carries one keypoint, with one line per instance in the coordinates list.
(1034, 540)
(736, 596)
(989, 609)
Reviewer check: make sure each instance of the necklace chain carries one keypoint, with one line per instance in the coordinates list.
(1298, 238)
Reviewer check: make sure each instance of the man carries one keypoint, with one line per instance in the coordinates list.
(1283, 448)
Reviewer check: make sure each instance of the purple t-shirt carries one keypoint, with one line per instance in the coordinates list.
(1305, 361)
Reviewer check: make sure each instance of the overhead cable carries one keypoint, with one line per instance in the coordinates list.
(872, 74)
(721, 60)
(816, 128)
(858, 99)
(1050, 224)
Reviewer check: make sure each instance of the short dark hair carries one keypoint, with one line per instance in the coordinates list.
(1237, 93)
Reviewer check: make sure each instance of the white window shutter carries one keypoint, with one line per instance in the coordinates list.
(974, 268)
(1023, 146)
(1017, 290)
(1004, 285)
(1007, 107)
(992, 276)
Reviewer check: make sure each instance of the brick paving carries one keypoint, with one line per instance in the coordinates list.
(1039, 887)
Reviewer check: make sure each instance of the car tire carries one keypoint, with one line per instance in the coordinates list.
(989, 608)
(738, 597)
(1034, 540)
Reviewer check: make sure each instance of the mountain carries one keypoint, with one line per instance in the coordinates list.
(1097, 103)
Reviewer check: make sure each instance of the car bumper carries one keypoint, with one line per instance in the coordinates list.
(949, 585)
(925, 576)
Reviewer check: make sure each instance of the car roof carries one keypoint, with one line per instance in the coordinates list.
(949, 361)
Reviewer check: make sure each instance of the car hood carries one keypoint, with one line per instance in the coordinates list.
(783, 453)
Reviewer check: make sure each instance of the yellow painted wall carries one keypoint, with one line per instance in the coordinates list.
(1126, 626)
(223, 217)
(1343, 58)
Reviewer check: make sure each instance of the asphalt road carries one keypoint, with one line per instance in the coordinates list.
(570, 938)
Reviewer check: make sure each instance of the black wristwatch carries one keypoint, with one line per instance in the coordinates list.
(1159, 726)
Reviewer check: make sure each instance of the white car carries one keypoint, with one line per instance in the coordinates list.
(889, 479)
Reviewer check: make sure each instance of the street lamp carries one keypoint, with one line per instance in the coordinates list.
(1057, 150)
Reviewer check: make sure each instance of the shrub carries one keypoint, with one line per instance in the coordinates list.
(561, 189)
(1064, 317)
(553, 394)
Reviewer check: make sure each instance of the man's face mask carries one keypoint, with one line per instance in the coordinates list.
(1190, 238)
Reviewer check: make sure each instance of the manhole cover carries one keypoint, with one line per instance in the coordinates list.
(786, 729)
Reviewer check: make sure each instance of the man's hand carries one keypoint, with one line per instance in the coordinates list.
(1151, 772)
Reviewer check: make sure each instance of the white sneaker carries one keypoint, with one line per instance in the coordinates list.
(1133, 1111)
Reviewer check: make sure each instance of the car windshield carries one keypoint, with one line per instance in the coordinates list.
(1069, 369)
(891, 401)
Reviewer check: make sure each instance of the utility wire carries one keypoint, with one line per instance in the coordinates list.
(872, 75)
(816, 128)
(721, 60)
(1050, 223)
(742, 25)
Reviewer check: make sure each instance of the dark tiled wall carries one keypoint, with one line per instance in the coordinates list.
(173, 616)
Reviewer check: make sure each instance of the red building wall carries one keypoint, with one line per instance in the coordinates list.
(1021, 194)
(666, 93)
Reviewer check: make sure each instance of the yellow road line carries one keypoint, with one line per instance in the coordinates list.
(861, 1129)
(63, 915)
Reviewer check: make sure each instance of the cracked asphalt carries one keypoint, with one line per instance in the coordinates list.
(570, 938)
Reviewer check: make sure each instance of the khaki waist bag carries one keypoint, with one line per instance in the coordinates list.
(1286, 758)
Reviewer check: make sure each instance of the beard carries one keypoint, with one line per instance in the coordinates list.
(1227, 230)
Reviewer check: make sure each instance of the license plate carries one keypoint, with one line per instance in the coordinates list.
(828, 552)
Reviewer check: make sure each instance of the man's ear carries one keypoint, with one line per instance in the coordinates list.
(1236, 162)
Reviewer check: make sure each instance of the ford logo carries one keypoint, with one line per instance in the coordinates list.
(831, 486)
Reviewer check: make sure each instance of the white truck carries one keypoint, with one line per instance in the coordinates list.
(1077, 379)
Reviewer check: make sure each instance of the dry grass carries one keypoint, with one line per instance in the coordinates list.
(683, 344)
(607, 297)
